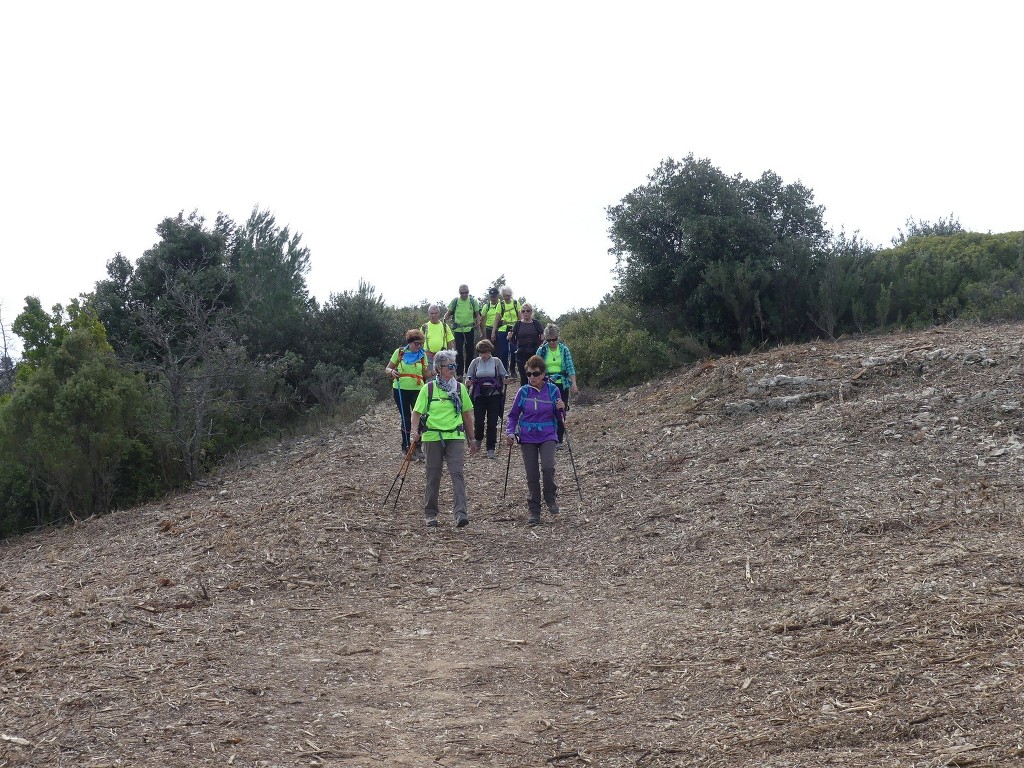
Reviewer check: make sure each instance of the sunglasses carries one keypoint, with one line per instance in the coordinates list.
(535, 373)
(463, 293)
(416, 342)
(451, 366)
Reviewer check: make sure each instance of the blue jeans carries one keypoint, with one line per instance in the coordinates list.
(501, 352)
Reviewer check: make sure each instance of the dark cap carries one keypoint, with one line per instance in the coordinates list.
(492, 292)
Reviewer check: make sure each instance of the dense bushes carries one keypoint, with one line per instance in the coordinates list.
(735, 263)
(209, 341)
(613, 344)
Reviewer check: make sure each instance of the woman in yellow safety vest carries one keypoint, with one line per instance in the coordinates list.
(445, 405)
(408, 369)
(560, 368)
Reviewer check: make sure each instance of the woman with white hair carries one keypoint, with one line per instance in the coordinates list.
(446, 413)
(560, 369)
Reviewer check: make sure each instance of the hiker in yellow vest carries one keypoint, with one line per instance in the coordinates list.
(408, 369)
(506, 317)
(560, 369)
(436, 335)
(445, 406)
(464, 315)
(488, 311)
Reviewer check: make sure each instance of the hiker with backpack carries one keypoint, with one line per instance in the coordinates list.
(486, 379)
(445, 412)
(527, 336)
(504, 319)
(408, 369)
(488, 311)
(464, 316)
(534, 420)
(436, 335)
(560, 368)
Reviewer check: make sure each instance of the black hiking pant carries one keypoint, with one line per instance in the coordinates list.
(405, 399)
(464, 351)
(487, 408)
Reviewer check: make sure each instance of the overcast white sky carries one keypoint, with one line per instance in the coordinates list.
(419, 145)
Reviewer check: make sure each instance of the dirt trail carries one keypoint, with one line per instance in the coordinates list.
(805, 556)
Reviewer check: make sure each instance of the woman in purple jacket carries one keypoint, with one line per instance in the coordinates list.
(533, 421)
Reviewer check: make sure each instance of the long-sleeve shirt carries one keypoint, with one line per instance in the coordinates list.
(534, 414)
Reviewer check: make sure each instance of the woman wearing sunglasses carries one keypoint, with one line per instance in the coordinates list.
(534, 421)
(447, 412)
(408, 369)
(560, 368)
(486, 379)
(526, 335)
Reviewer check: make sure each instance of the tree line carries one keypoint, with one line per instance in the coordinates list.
(210, 340)
(714, 264)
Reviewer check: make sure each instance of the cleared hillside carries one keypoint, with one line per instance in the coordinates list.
(805, 556)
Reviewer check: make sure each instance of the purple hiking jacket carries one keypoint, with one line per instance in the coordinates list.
(534, 414)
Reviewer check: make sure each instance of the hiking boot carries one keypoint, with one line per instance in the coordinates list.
(553, 510)
(462, 520)
(478, 444)
(418, 454)
(534, 519)
(431, 522)
(491, 454)
(560, 447)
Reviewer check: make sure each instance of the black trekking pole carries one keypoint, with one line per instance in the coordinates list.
(402, 472)
(573, 461)
(501, 419)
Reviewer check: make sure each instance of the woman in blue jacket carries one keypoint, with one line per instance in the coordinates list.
(534, 420)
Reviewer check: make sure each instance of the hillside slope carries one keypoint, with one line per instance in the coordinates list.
(805, 556)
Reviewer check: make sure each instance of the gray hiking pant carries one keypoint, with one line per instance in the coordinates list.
(453, 453)
(544, 455)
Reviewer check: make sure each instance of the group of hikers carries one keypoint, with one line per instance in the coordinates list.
(448, 384)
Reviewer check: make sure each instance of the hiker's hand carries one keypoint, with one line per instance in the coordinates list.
(560, 405)
(573, 389)
(510, 439)
(472, 447)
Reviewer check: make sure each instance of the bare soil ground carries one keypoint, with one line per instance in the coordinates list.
(805, 556)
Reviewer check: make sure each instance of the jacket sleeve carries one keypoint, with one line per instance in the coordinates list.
(556, 396)
(570, 369)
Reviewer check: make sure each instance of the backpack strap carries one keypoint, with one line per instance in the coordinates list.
(417, 376)
(423, 423)
(528, 426)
